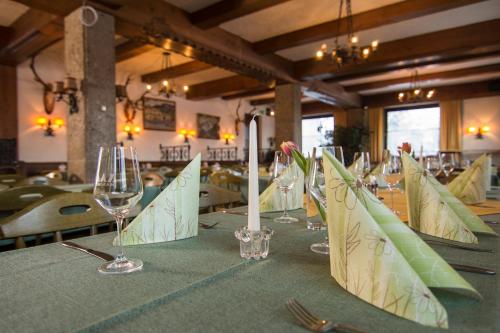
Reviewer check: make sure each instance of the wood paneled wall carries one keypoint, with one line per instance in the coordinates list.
(8, 102)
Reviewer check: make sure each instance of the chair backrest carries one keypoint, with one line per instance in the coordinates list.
(56, 174)
(10, 180)
(17, 198)
(56, 213)
(152, 179)
(40, 180)
(211, 195)
(225, 179)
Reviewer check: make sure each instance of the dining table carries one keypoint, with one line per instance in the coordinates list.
(201, 284)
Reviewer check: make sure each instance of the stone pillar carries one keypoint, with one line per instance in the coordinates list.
(288, 114)
(90, 58)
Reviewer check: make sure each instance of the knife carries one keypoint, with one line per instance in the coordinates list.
(458, 246)
(473, 269)
(101, 255)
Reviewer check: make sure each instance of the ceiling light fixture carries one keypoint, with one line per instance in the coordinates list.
(350, 53)
(416, 93)
(168, 87)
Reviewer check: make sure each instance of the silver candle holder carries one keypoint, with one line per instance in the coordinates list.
(254, 244)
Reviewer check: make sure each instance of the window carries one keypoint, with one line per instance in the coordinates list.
(317, 131)
(416, 125)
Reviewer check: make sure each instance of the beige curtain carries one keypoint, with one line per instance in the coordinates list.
(450, 134)
(376, 127)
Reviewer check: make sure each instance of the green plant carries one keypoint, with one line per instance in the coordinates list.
(352, 139)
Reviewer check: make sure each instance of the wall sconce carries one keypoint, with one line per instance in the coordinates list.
(130, 129)
(228, 137)
(187, 134)
(47, 125)
(478, 131)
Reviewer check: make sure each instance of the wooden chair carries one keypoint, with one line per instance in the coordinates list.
(212, 196)
(226, 180)
(10, 180)
(152, 179)
(40, 180)
(204, 174)
(53, 215)
(18, 198)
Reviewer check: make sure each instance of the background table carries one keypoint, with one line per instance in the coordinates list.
(201, 284)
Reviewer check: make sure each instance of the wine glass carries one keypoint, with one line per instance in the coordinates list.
(317, 191)
(433, 165)
(361, 164)
(284, 176)
(392, 172)
(448, 163)
(118, 188)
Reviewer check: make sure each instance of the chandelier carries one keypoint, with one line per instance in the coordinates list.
(350, 53)
(416, 93)
(168, 87)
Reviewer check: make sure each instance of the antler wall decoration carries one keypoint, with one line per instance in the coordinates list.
(60, 91)
(238, 119)
(131, 106)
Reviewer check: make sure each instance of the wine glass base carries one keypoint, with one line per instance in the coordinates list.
(121, 267)
(286, 219)
(320, 248)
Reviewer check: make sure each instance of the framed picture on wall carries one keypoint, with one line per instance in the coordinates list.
(159, 114)
(208, 126)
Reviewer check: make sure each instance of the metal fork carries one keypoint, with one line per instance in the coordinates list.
(313, 323)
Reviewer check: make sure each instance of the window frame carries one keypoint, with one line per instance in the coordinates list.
(406, 107)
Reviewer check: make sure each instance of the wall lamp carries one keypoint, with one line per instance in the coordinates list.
(186, 134)
(478, 131)
(130, 129)
(228, 137)
(48, 126)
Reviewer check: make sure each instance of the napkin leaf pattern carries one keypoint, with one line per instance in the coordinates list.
(433, 210)
(471, 185)
(376, 257)
(272, 199)
(172, 215)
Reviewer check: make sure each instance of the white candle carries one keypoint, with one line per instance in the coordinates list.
(253, 180)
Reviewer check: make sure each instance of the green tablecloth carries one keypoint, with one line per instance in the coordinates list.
(201, 284)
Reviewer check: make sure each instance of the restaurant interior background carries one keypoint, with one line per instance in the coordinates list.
(404, 95)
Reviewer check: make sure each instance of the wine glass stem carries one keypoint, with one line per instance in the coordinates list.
(119, 222)
(392, 197)
(285, 212)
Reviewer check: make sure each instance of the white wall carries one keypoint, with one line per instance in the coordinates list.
(34, 147)
(479, 112)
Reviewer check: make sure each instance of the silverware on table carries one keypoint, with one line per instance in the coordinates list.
(207, 226)
(243, 214)
(472, 269)
(492, 222)
(101, 255)
(458, 246)
(313, 323)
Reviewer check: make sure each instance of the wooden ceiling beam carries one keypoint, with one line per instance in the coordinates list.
(249, 93)
(331, 93)
(459, 73)
(175, 71)
(262, 101)
(451, 92)
(130, 49)
(317, 108)
(227, 10)
(5, 34)
(431, 48)
(170, 28)
(222, 87)
(397, 12)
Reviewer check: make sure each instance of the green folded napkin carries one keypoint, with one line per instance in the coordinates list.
(433, 210)
(172, 215)
(471, 185)
(272, 199)
(376, 257)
